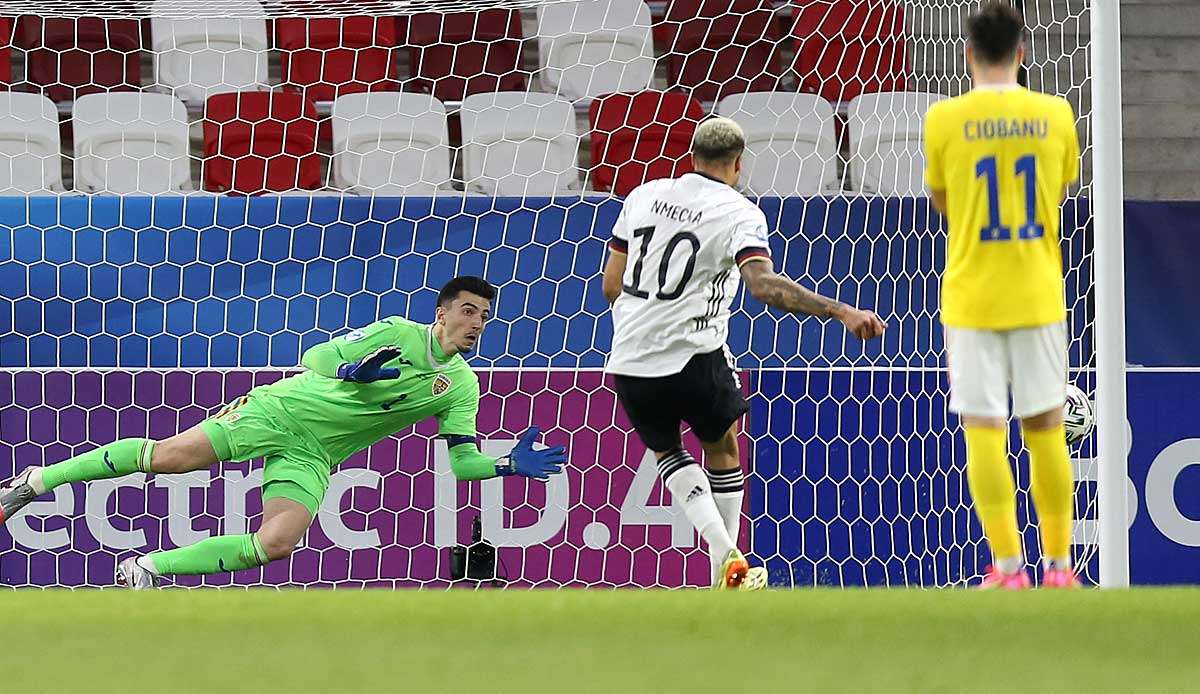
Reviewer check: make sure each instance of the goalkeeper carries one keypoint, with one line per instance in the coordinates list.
(358, 389)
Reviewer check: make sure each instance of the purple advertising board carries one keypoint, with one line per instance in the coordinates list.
(391, 512)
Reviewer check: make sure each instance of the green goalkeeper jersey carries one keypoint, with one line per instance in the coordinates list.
(344, 417)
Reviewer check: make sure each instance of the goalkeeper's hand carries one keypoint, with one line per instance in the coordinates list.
(525, 461)
(371, 367)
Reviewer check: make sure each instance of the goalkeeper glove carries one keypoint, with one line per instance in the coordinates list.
(371, 367)
(525, 461)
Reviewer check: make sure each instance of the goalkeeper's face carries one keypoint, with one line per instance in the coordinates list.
(463, 319)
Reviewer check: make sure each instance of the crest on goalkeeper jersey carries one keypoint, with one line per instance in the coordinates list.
(441, 384)
(684, 238)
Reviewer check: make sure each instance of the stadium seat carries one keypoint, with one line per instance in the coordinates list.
(388, 143)
(30, 162)
(519, 143)
(198, 58)
(641, 137)
(848, 47)
(790, 145)
(258, 142)
(595, 47)
(6, 36)
(131, 143)
(886, 153)
(718, 47)
(327, 57)
(454, 55)
(68, 58)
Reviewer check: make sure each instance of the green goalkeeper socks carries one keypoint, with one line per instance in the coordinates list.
(219, 554)
(117, 459)
(214, 555)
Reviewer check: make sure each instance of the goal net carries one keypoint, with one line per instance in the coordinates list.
(196, 192)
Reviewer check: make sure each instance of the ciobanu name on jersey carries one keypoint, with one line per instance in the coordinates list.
(1001, 128)
(685, 238)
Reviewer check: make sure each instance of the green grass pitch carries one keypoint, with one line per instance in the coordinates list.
(624, 641)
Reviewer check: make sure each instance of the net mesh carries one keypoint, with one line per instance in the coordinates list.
(193, 9)
(196, 192)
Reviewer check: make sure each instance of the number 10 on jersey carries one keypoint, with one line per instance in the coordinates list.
(664, 265)
(1026, 167)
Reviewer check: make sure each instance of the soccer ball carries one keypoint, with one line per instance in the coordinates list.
(1078, 418)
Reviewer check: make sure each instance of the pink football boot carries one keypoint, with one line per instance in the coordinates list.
(1060, 579)
(995, 579)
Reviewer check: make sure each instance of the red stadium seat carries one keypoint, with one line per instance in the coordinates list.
(328, 57)
(68, 58)
(6, 31)
(257, 142)
(455, 55)
(849, 47)
(717, 47)
(641, 137)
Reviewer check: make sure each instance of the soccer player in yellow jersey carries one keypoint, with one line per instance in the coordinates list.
(999, 160)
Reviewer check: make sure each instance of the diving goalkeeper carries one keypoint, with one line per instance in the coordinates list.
(358, 389)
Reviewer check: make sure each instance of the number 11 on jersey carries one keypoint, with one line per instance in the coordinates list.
(1026, 167)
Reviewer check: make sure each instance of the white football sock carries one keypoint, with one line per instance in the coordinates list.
(1010, 565)
(689, 488)
(728, 490)
(147, 563)
(35, 481)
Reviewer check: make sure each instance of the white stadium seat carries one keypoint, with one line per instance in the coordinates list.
(595, 47)
(791, 148)
(886, 152)
(390, 143)
(519, 143)
(30, 159)
(129, 142)
(200, 57)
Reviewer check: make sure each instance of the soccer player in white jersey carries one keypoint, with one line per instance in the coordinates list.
(677, 250)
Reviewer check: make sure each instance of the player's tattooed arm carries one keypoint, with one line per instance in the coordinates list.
(786, 295)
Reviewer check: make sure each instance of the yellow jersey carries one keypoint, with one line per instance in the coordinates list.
(1004, 156)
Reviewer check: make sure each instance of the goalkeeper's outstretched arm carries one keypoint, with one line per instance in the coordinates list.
(782, 293)
(468, 463)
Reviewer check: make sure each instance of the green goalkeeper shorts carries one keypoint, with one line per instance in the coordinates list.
(294, 469)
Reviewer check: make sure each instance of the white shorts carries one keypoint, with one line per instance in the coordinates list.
(984, 363)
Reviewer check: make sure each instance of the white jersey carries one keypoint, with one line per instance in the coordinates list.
(686, 238)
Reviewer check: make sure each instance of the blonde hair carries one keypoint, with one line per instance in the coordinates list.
(718, 139)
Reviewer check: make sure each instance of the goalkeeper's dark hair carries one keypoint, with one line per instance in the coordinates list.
(995, 31)
(465, 283)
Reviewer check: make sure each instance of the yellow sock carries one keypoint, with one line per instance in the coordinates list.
(992, 489)
(1053, 489)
